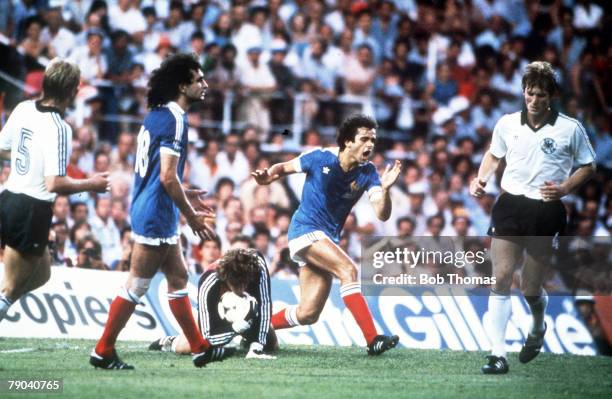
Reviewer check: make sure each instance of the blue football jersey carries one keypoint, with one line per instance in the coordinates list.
(329, 192)
(153, 213)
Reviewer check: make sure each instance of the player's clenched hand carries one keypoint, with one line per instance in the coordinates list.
(100, 182)
(552, 192)
(197, 222)
(390, 175)
(263, 176)
(477, 187)
(195, 199)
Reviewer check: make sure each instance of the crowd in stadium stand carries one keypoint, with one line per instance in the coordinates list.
(437, 75)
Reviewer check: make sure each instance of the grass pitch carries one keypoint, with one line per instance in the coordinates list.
(301, 372)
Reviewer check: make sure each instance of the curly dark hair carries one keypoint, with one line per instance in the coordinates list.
(239, 266)
(350, 126)
(165, 80)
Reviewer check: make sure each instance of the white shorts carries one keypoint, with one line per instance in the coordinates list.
(155, 241)
(298, 244)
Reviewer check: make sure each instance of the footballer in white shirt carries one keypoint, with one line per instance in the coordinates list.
(541, 147)
(37, 141)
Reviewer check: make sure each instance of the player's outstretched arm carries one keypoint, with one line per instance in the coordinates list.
(275, 172)
(67, 185)
(488, 166)
(381, 201)
(169, 179)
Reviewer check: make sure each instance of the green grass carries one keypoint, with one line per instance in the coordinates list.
(303, 372)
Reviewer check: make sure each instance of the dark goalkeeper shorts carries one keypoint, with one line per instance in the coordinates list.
(533, 222)
(24, 223)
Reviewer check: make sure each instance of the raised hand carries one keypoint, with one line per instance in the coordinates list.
(263, 177)
(198, 223)
(195, 199)
(390, 175)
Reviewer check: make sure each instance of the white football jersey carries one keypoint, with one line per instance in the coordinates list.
(40, 143)
(536, 156)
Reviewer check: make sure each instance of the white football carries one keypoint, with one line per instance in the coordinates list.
(235, 309)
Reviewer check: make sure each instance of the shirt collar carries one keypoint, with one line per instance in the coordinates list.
(45, 108)
(174, 106)
(552, 118)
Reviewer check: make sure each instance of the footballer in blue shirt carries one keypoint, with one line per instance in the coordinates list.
(158, 198)
(335, 180)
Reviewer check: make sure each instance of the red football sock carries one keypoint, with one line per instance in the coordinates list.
(118, 315)
(279, 321)
(285, 318)
(181, 309)
(357, 305)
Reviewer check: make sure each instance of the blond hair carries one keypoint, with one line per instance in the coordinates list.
(540, 74)
(61, 79)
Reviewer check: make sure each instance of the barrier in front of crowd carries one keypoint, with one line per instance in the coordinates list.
(75, 302)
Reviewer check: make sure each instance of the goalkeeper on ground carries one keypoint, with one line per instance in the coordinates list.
(244, 273)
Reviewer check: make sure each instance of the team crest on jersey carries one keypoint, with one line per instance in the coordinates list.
(548, 145)
(354, 186)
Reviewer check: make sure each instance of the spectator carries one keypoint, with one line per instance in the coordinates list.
(257, 84)
(315, 69)
(119, 214)
(365, 35)
(59, 40)
(405, 227)
(126, 16)
(360, 73)
(61, 210)
(261, 242)
(210, 250)
(298, 28)
(59, 243)
(205, 171)
(444, 88)
(127, 246)
(231, 161)
(103, 227)
(152, 32)
(90, 58)
(122, 156)
(32, 46)
(79, 212)
(485, 114)
(89, 254)
(221, 30)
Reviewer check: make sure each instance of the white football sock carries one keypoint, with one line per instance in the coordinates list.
(5, 304)
(500, 309)
(538, 311)
(291, 315)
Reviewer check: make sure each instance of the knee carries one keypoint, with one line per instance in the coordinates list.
(307, 316)
(138, 286)
(9, 291)
(529, 289)
(347, 273)
(503, 281)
